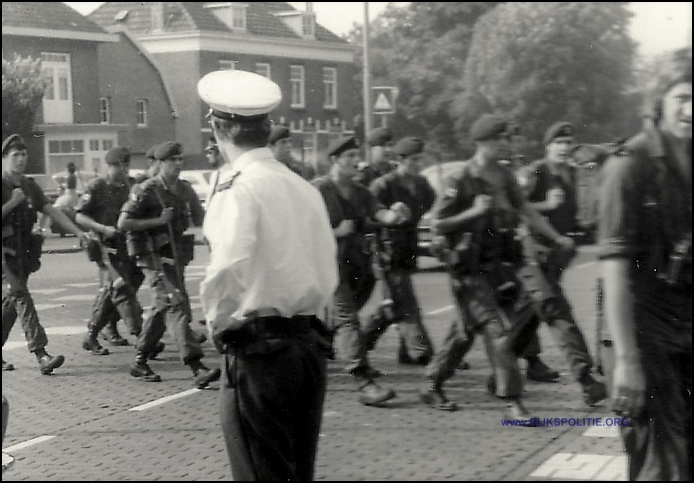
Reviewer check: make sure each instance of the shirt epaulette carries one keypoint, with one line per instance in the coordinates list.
(226, 184)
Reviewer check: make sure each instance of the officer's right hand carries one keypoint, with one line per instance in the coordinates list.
(166, 215)
(346, 227)
(555, 197)
(483, 203)
(17, 196)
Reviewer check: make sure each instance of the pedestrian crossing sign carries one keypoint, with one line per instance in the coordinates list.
(384, 100)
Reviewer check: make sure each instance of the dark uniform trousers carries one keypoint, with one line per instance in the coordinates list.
(406, 313)
(660, 442)
(20, 304)
(478, 304)
(163, 311)
(116, 301)
(271, 401)
(557, 313)
(343, 322)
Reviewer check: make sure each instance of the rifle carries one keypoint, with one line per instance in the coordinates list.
(105, 257)
(381, 266)
(169, 228)
(173, 293)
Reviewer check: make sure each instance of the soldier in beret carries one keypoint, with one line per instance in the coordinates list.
(380, 142)
(157, 215)
(119, 278)
(351, 207)
(645, 241)
(404, 185)
(551, 190)
(271, 277)
(22, 199)
(478, 213)
(153, 165)
(280, 144)
(214, 159)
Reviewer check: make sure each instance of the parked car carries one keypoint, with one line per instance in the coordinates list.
(200, 180)
(83, 178)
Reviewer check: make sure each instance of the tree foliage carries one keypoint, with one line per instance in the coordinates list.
(543, 62)
(22, 91)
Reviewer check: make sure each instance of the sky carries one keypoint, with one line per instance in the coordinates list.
(656, 26)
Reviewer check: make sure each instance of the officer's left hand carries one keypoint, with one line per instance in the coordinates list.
(220, 329)
(628, 389)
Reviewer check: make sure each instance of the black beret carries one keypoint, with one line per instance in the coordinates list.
(13, 141)
(488, 126)
(408, 146)
(117, 155)
(341, 145)
(556, 130)
(168, 150)
(278, 132)
(379, 136)
(151, 151)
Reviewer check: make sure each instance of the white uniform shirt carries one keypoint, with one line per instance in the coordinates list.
(271, 243)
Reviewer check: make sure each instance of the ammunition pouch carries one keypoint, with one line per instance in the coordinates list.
(678, 272)
(186, 249)
(138, 243)
(93, 249)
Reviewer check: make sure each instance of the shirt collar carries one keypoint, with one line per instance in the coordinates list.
(243, 161)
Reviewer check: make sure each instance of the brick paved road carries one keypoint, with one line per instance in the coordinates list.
(91, 421)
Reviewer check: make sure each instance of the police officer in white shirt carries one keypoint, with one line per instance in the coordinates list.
(272, 274)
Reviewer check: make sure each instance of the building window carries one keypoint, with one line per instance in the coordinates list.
(308, 25)
(227, 64)
(263, 69)
(142, 112)
(233, 15)
(66, 146)
(330, 84)
(57, 98)
(297, 80)
(106, 144)
(105, 110)
(238, 17)
(93, 144)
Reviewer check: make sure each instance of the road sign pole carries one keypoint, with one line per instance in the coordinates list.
(367, 82)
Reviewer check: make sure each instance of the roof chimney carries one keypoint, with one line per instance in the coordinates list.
(157, 16)
(309, 6)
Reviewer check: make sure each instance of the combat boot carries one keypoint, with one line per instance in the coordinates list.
(90, 343)
(141, 369)
(371, 394)
(433, 396)
(111, 334)
(47, 362)
(515, 411)
(204, 375)
(540, 372)
(593, 391)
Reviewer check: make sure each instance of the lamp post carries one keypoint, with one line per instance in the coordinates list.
(367, 81)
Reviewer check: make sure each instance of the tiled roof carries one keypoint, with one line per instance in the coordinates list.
(46, 15)
(193, 16)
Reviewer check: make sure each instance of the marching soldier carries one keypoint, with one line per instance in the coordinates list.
(645, 241)
(280, 144)
(551, 190)
(157, 215)
(404, 185)
(22, 199)
(351, 206)
(478, 213)
(380, 141)
(98, 210)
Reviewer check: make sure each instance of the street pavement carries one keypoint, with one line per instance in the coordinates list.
(91, 421)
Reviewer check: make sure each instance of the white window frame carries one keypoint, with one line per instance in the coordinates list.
(238, 12)
(297, 79)
(105, 110)
(226, 64)
(264, 69)
(330, 88)
(142, 114)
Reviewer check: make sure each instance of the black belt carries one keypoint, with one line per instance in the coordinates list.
(271, 327)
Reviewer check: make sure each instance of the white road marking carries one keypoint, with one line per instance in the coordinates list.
(68, 330)
(82, 285)
(440, 310)
(40, 307)
(163, 400)
(47, 291)
(594, 467)
(13, 344)
(26, 444)
(76, 298)
(602, 432)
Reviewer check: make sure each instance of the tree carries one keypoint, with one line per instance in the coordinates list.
(22, 91)
(542, 62)
(421, 50)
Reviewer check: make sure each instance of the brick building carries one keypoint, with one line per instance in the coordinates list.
(185, 40)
